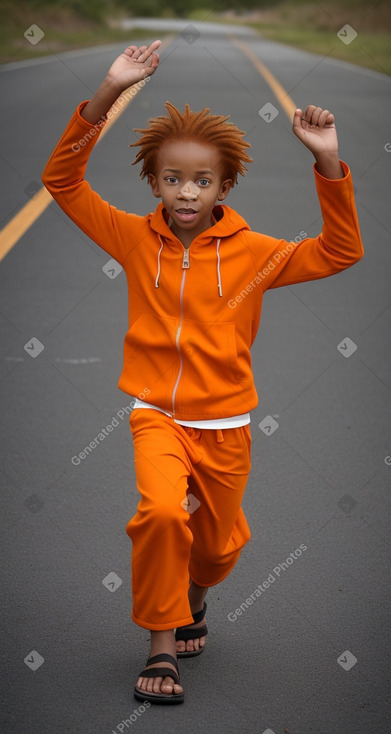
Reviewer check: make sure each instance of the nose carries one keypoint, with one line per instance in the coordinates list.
(189, 191)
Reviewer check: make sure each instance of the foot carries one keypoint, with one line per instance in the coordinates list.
(197, 596)
(161, 641)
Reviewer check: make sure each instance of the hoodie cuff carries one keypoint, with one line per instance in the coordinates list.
(345, 169)
(85, 122)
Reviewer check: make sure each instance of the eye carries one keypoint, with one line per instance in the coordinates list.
(204, 182)
(171, 179)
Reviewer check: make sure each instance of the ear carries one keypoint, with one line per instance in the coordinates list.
(154, 185)
(225, 188)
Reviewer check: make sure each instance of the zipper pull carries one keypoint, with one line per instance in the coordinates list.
(185, 260)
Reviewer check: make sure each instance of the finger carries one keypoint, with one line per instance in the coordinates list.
(147, 71)
(147, 52)
(297, 125)
(154, 62)
(297, 118)
(316, 113)
(322, 119)
(130, 50)
(308, 112)
(155, 45)
(331, 119)
(139, 52)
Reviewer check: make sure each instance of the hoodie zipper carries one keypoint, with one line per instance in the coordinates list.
(186, 258)
(185, 266)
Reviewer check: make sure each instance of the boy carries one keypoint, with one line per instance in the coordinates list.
(188, 346)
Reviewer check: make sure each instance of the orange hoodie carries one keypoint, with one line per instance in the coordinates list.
(193, 315)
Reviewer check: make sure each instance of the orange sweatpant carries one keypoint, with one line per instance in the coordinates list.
(172, 541)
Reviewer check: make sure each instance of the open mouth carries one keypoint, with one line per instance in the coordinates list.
(186, 214)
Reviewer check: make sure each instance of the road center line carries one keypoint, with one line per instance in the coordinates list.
(29, 213)
(282, 96)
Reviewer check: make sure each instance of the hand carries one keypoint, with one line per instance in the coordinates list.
(316, 130)
(133, 65)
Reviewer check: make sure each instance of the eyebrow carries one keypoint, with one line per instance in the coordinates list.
(198, 173)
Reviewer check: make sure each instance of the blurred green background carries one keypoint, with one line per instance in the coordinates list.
(311, 26)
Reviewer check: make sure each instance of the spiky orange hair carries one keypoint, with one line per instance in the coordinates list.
(199, 126)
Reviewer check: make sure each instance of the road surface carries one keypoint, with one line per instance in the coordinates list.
(311, 654)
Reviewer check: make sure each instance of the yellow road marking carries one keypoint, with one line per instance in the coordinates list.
(25, 218)
(15, 229)
(283, 97)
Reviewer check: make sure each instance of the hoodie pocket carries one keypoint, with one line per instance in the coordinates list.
(210, 371)
(151, 358)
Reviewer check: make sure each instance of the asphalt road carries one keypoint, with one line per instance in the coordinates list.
(311, 655)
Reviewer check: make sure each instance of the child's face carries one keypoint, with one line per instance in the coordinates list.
(189, 180)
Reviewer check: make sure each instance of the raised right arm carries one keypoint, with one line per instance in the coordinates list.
(64, 172)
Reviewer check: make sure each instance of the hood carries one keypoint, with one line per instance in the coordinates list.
(228, 222)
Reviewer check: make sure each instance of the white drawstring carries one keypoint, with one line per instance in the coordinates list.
(158, 263)
(218, 269)
(219, 285)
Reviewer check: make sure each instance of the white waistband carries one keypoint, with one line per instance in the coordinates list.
(234, 421)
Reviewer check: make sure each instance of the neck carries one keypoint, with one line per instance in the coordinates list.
(187, 237)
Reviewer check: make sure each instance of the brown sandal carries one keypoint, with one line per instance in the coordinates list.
(187, 633)
(156, 673)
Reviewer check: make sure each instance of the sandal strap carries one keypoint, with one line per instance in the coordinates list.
(200, 615)
(197, 616)
(191, 633)
(163, 657)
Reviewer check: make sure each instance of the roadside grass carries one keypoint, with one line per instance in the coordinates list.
(63, 32)
(370, 50)
(310, 26)
(313, 26)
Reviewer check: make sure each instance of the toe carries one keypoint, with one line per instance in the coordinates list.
(151, 682)
(160, 686)
(194, 645)
(167, 685)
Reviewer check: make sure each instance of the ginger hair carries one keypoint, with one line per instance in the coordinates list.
(201, 127)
